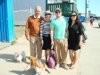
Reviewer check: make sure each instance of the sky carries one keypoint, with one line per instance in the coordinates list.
(94, 6)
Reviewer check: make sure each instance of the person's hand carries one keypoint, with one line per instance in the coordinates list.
(80, 44)
(52, 44)
(28, 38)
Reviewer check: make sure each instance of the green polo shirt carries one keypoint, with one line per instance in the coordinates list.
(59, 25)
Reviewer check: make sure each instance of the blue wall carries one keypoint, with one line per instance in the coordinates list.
(6, 21)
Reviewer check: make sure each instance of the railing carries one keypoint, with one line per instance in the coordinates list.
(66, 7)
(52, 7)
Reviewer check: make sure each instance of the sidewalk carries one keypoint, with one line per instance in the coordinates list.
(9, 67)
(89, 62)
(4, 45)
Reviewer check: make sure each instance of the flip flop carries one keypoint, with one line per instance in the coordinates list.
(72, 67)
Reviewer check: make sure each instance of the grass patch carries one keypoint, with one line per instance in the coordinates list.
(13, 42)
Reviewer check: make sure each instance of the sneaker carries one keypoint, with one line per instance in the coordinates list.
(69, 65)
(57, 66)
(64, 66)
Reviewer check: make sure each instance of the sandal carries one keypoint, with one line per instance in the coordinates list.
(72, 67)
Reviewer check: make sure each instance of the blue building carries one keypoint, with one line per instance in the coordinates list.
(6, 21)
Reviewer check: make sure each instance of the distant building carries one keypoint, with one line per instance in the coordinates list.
(88, 15)
(54, 1)
(24, 8)
(66, 5)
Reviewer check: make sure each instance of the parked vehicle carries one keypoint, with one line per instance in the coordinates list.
(99, 24)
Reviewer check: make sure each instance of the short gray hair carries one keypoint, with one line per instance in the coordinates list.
(38, 7)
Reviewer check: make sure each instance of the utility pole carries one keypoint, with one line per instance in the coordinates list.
(86, 9)
(46, 4)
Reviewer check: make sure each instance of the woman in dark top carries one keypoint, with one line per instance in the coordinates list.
(75, 37)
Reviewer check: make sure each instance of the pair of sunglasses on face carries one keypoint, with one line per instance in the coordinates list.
(47, 14)
(57, 12)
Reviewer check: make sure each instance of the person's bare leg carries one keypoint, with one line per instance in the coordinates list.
(47, 54)
(75, 58)
(71, 55)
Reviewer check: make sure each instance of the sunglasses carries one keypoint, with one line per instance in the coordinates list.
(48, 14)
(57, 12)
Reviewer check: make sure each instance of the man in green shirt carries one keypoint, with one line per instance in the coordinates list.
(59, 34)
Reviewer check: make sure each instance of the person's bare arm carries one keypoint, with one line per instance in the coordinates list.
(67, 32)
(51, 35)
(80, 42)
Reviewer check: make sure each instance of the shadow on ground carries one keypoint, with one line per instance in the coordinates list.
(25, 72)
(97, 27)
(7, 57)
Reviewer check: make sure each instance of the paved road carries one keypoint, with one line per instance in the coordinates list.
(89, 61)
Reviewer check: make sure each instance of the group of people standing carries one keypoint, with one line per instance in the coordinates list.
(61, 33)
